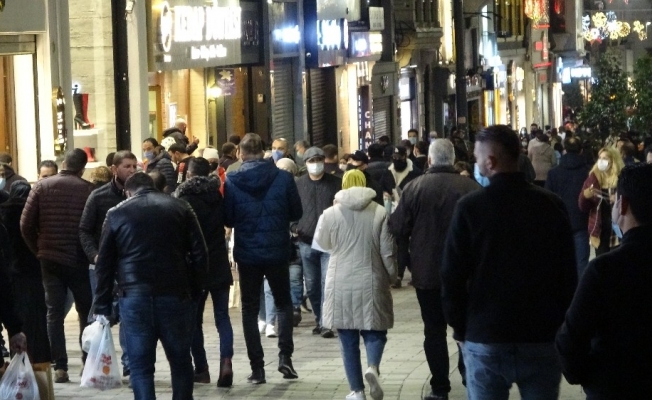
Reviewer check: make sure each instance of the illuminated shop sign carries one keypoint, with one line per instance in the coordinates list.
(332, 34)
(290, 35)
(193, 34)
(365, 44)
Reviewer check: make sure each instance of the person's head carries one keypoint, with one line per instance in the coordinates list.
(159, 180)
(75, 161)
(358, 160)
(109, 159)
(383, 140)
(399, 158)
(421, 148)
(441, 153)
(573, 145)
(178, 152)
(314, 158)
(137, 182)
(5, 158)
(235, 139)
(408, 145)
(344, 161)
(101, 175)
(300, 147)
(559, 147)
(279, 148)
(181, 125)
(533, 127)
(251, 147)
(149, 147)
(433, 135)
(497, 149)
(413, 136)
(463, 168)
(554, 133)
(46, 169)
(229, 149)
(198, 166)
(330, 153)
(211, 154)
(168, 142)
(287, 165)
(628, 149)
(648, 154)
(608, 166)
(542, 137)
(353, 178)
(375, 151)
(124, 165)
(633, 206)
(621, 141)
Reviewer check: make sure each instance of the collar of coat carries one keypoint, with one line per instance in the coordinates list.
(441, 169)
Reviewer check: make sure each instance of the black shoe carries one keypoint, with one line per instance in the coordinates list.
(316, 330)
(257, 376)
(285, 367)
(296, 316)
(126, 372)
(226, 373)
(327, 333)
(433, 396)
(304, 305)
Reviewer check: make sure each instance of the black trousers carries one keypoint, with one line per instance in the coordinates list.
(251, 279)
(435, 345)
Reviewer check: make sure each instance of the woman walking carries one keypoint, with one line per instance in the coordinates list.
(362, 266)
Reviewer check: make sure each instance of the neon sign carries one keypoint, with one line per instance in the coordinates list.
(332, 34)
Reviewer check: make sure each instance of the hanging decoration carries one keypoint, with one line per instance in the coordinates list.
(640, 29)
(605, 25)
(537, 11)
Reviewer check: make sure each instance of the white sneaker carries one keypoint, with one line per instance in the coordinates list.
(270, 331)
(371, 375)
(261, 326)
(356, 396)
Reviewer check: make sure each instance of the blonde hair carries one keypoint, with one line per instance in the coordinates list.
(101, 174)
(609, 178)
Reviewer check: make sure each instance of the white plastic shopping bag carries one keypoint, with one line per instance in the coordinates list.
(19, 382)
(101, 368)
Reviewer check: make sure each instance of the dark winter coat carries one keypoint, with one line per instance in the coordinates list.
(180, 137)
(525, 166)
(11, 177)
(509, 271)
(316, 196)
(604, 343)
(153, 245)
(424, 214)
(203, 195)
(163, 163)
(378, 169)
(97, 205)
(259, 203)
(23, 261)
(50, 221)
(566, 180)
(10, 319)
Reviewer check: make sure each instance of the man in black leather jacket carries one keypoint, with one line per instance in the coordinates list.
(154, 245)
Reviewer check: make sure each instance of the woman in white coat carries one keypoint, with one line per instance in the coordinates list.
(362, 266)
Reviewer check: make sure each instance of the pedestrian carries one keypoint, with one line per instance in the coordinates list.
(317, 191)
(421, 155)
(300, 147)
(158, 278)
(8, 314)
(604, 343)
(202, 192)
(424, 216)
(178, 133)
(10, 176)
(508, 276)
(47, 168)
(49, 225)
(331, 165)
(229, 151)
(160, 160)
(260, 202)
(598, 195)
(181, 157)
(542, 156)
(357, 297)
(359, 160)
(566, 181)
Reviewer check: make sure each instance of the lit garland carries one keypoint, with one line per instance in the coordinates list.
(607, 26)
(537, 11)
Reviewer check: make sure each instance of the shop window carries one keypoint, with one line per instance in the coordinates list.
(509, 18)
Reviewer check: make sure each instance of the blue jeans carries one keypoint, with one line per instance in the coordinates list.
(582, 251)
(491, 369)
(315, 265)
(147, 319)
(222, 323)
(374, 343)
(296, 284)
(267, 311)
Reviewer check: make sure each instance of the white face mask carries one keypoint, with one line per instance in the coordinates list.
(603, 165)
(315, 168)
(343, 167)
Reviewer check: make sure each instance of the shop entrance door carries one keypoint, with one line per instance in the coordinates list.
(7, 107)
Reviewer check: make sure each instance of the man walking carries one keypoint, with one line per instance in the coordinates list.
(159, 276)
(424, 215)
(508, 276)
(566, 181)
(260, 202)
(50, 226)
(605, 342)
(317, 190)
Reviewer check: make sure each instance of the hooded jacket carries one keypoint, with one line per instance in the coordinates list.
(566, 181)
(22, 259)
(543, 158)
(316, 196)
(259, 203)
(203, 195)
(163, 163)
(362, 264)
(11, 177)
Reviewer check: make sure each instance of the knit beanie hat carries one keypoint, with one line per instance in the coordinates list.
(287, 165)
(353, 178)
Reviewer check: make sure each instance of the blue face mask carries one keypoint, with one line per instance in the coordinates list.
(277, 155)
(482, 180)
(149, 155)
(617, 230)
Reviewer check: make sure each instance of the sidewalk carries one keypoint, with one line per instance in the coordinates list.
(404, 372)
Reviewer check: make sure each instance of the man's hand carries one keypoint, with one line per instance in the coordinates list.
(195, 140)
(18, 343)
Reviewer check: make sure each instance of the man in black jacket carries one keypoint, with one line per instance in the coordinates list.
(153, 245)
(317, 191)
(508, 276)
(605, 341)
(360, 161)
(424, 214)
(566, 181)
(202, 192)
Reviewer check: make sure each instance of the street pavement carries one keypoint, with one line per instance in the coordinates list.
(404, 371)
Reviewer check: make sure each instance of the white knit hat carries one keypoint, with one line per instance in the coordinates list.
(210, 153)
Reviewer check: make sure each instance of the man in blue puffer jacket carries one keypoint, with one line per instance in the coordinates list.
(259, 203)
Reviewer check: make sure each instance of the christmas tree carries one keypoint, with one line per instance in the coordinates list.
(642, 119)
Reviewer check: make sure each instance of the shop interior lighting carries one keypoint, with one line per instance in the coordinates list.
(214, 91)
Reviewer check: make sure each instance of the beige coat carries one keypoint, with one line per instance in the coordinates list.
(362, 264)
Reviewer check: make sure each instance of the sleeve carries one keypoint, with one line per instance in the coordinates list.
(387, 247)
(294, 201)
(191, 148)
(582, 320)
(106, 267)
(166, 169)
(528, 169)
(8, 315)
(583, 203)
(229, 210)
(568, 281)
(323, 232)
(455, 271)
(198, 252)
(87, 229)
(30, 218)
(401, 221)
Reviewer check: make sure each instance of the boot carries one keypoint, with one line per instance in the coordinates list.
(226, 373)
(296, 316)
(90, 153)
(257, 376)
(80, 122)
(285, 367)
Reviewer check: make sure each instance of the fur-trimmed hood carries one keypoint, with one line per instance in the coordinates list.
(207, 187)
